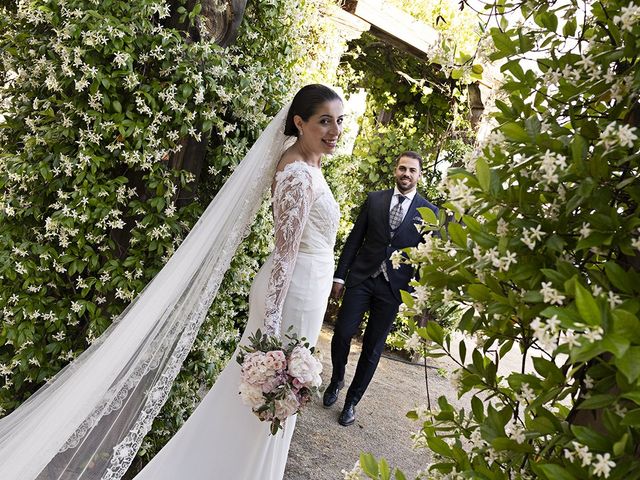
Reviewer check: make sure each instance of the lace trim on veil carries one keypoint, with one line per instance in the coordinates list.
(126, 450)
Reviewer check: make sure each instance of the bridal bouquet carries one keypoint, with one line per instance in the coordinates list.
(277, 380)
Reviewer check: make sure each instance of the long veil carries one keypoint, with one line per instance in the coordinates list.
(89, 420)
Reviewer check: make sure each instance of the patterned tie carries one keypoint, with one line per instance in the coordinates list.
(395, 215)
(395, 219)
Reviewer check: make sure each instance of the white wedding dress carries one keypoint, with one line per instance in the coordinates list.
(88, 421)
(223, 439)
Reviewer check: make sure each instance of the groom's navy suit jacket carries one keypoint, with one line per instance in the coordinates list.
(371, 242)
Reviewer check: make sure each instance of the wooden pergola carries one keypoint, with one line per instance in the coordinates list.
(395, 27)
(391, 25)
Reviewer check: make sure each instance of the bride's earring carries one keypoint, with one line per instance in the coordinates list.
(300, 132)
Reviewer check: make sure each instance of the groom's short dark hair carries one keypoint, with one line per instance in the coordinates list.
(410, 154)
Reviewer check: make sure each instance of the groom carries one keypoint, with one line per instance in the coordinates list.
(385, 224)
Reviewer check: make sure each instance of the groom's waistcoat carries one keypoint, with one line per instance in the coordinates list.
(371, 241)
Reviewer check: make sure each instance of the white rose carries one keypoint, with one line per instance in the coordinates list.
(287, 406)
(251, 394)
(304, 367)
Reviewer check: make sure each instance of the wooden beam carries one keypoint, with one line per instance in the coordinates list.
(349, 25)
(392, 25)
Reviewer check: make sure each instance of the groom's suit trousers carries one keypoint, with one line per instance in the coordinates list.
(374, 295)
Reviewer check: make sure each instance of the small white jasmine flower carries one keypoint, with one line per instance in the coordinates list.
(588, 382)
(516, 432)
(354, 474)
(585, 231)
(613, 299)
(502, 228)
(447, 295)
(553, 323)
(527, 394)
(603, 465)
(593, 335)
(396, 259)
(582, 451)
(551, 295)
(628, 17)
(121, 59)
(569, 455)
(414, 342)
(619, 409)
(626, 135)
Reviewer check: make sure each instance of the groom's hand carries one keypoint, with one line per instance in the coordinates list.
(336, 290)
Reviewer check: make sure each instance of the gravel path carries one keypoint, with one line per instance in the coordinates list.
(322, 448)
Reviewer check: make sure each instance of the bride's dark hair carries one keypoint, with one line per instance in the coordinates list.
(306, 103)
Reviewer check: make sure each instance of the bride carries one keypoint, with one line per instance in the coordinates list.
(89, 420)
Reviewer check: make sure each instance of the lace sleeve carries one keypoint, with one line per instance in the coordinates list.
(292, 198)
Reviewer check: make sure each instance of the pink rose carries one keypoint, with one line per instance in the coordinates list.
(253, 369)
(274, 381)
(275, 360)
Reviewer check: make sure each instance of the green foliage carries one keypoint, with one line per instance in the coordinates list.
(411, 105)
(95, 100)
(459, 31)
(543, 257)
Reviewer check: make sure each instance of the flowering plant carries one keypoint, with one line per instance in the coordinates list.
(276, 381)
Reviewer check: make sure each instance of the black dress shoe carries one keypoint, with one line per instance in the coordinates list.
(331, 393)
(348, 415)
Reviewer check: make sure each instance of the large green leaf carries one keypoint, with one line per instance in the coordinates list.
(591, 438)
(369, 464)
(619, 277)
(484, 174)
(428, 215)
(629, 364)
(503, 42)
(502, 443)
(439, 446)
(587, 306)
(555, 472)
(632, 418)
(626, 324)
(514, 131)
(457, 234)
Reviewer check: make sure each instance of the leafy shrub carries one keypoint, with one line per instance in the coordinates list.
(545, 259)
